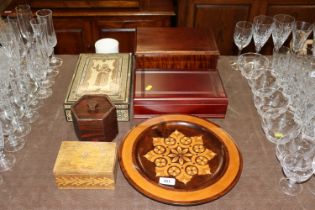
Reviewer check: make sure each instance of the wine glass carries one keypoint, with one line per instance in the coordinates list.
(282, 27)
(297, 168)
(46, 14)
(242, 37)
(300, 32)
(7, 161)
(300, 145)
(250, 64)
(281, 128)
(270, 102)
(262, 28)
(265, 80)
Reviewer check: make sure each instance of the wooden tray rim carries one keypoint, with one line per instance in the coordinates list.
(137, 180)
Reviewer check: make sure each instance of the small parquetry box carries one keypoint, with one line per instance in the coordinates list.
(86, 165)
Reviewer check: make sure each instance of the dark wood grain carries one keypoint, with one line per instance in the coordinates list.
(79, 24)
(86, 4)
(221, 16)
(73, 36)
(225, 166)
(95, 118)
(175, 48)
(124, 30)
(179, 92)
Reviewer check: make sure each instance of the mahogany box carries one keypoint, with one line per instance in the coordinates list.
(108, 74)
(94, 118)
(86, 165)
(194, 92)
(176, 48)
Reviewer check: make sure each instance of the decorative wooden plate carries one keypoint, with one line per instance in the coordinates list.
(180, 159)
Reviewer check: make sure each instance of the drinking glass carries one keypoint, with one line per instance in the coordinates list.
(300, 32)
(46, 14)
(262, 28)
(271, 104)
(281, 128)
(282, 27)
(263, 81)
(308, 129)
(7, 161)
(38, 59)
(300, 145)
(251, 63)
(297, 168)
(242, 36)
(24, 15)
(280, 64)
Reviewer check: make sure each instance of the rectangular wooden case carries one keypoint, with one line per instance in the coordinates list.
(200, 93)
(86, 165)
(102, 74)
(176, 48)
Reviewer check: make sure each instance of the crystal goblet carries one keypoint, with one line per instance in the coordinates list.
(297, 169)
(242, 36)
(262, 28)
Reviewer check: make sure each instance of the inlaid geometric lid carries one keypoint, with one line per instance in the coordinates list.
(101, 74)
(85, 158)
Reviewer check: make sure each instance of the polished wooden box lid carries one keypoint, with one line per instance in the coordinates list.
(177, 48)
(95, 118)
(179, 92)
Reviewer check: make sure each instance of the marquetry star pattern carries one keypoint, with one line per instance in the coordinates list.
(180, 156)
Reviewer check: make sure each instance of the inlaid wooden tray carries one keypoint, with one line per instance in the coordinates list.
(180, 159)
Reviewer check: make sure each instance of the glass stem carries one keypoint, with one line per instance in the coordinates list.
(291, 183)
(239, 52)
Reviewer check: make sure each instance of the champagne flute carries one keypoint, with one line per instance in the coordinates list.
(282, 27)
(262, 28)
(242, 37)
(24, 15)
(38, 59)
(46, 14)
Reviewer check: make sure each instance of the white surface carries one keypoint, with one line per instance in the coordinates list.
(107, 45)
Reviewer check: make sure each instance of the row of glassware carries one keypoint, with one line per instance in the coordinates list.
(28, 68)
(283, 94)
(279, 27)
(282, 91)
